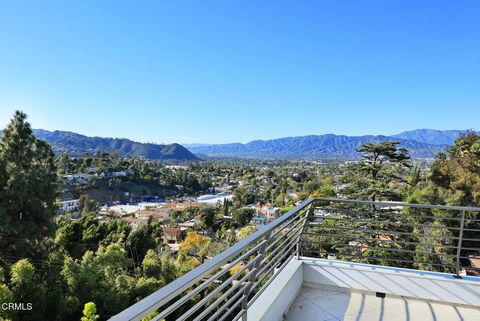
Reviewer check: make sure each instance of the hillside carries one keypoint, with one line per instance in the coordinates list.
(76, 144)
(328, 146)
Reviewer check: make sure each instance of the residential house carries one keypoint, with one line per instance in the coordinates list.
(134, 222)
(67, 206)
(267, 211)
(172, 235)
(156, 214)
(78, 178)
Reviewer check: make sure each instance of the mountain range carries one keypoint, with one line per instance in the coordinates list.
(432, 136)
(77, 145)
(421, 143)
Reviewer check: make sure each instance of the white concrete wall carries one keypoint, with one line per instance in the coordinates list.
(279, 295)
(396, 281)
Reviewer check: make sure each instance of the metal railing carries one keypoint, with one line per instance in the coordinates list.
(419, 236)
(429, 237)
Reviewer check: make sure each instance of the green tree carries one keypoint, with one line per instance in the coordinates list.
(5, 296)
(226, 207)
(280, 200)
(311, 186)
(246, 231)
(454, 180)
(90, 312)
(379, 168)
(87, 205)
(208, 216)
(102, 277)
(456, 173)
(325, 190)
(195, 245)
(145, 286)
(27, 288)
(27, 189)
(152, 264)
(244, 196)
(169, 270)
(242, 216)
(63, 164)
(140, 241)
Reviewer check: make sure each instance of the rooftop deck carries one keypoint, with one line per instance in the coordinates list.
(324, 290)
(386, 261)
(334, 304)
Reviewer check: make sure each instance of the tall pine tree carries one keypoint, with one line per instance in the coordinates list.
(379, 168)
(27, 190)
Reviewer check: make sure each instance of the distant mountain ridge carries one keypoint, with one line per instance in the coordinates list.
(432, 136)
(422, 143)
(327, 146)
(77, 144)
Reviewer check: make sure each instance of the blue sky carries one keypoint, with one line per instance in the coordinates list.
(233, 71)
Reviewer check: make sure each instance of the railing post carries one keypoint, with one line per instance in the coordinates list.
(309, 212)
(253, 275)
(459, 246)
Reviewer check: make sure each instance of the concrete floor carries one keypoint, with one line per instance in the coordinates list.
(332, 305)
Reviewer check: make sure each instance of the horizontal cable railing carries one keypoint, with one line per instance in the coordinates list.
(225, 286)
(420, 236)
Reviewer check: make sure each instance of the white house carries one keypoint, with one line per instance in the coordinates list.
(78, 178)
(67, 206)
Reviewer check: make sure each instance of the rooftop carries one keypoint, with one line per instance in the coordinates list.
(171, 230)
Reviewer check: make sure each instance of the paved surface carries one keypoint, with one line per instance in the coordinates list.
(330, 305)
